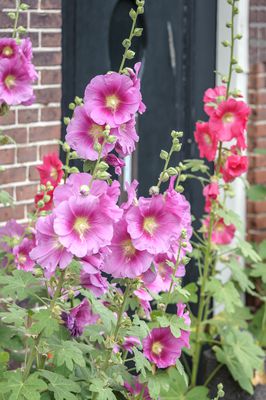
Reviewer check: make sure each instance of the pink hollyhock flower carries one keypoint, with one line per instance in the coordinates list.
(26, 52)
(22, 255)
(136, 389)
(15, 82)
(234, 166)
(130, 342)
(83, 133)
(127, 138)
(47, 206)
(152, 225)
(144, 299)
(206, 140)
(112, 99)
(133, 73)
(125, 261)
(229, 121)
(115, 162)
(82, 226)
(210, 192)
(90, 276)
(222, 233)
(79, 317)
(51, 169)
(49, 252)
(185, 315)
(131, 194)
(162, 348)
(10, 235)
(212, 97)
(8, 48)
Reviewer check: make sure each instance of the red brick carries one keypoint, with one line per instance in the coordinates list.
(27, 154)
(8, 119)
(7, 156)
(30, 208)
(16, 212)
(51, 4)
(13, 175)
(49, 95)
(258, 176)
(258, 236)
(47, 58)
(45, 133)
(45, 20)
(51, 77)
(5, 21)
(258, 161)
(26, 192)
(51, 39)
(259, 221)
(51, 114)
(257, 206)
(50, 148)
(257, 130)
(27, 116)
(33, 173)
(19, 135)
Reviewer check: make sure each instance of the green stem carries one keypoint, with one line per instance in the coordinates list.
(212, 374)
(165, 166)
(67, 164)
(16, 19)
(174, 274)
(131, 35)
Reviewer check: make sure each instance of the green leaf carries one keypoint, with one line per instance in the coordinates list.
(231, 217)
(196, 165)
(259, 271)
(241, 355)
(21, 285)
(262, 250)
(69, 354)
(5, 198)
(163, 321)
(106, 315)
(239, 275)
(30, 389)
(224, 294)
(199, 392)
(44, 322)
(141, 362)
(63, 388)
(247, 250)
(256, 193)
(139, 328)
(15, 315)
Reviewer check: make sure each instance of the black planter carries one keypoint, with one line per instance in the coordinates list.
(231, 388)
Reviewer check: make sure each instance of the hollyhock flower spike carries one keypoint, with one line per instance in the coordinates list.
(111, 99)
(210, 192)
(79, 317)
(22, 255)
(49, 252)
(83, 133)
(115, 162)
(222, 233)
(206, 140)
(39, 197)
(212, 97)
(51, 170)
(234, 166)
(8, 48)
(136, 81)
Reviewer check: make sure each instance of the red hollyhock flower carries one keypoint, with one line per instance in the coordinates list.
(210, 192)
(222, 233)
(206, 140)
(212, 97)
(234, 166)
(47, 206)
(229, 121)
(51, 170)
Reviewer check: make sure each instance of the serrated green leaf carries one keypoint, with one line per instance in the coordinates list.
(69, 354)
(199, 392)
(15, 315)
(163, 321)
(231, 217)
(30, 389)
(239, 275)
(141, 362)
(44, 322)
(256, 193)
(259, 271)
(63, 388)
(248, 251)
(225, 294)
(5, 198)
(106, 315)
(20, 284)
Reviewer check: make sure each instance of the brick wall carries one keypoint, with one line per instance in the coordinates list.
(257, 127)
(35, 129)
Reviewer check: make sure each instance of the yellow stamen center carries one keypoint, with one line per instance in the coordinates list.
(128, 248)
(7, 51)
(54, 173)
(207, 138)
(22, 258)
(219, 227)
(81, 225)
(150, 225)
(10, 81)
(228, 118)
(157, 348)
(112, 102)
(162, 271)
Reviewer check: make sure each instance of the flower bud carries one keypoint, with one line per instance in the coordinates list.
(130, 54)
(40, 204)
(183, 178)
(238, 36)
(185, 260)
(11, 15)
(111, 139)
(21, 29)
(154, 190)
(220, 386)
(126, 43)
(179, 189)
(103, 175)
(73, 170)
(103, 166)
(228, 25)
(46, 198)
(184, 244)
(42, 188)
(97, 147)
(73, 155)
(171, 171)
(163, 155)
(226, 43)
(184, 233)
(138, 32)
(66, 147)
(234, 61)
(66, 120)
(132, 14)
(238, 69)
(24, 7)
(140, 10)
(177, 147)
(165, 177)
(84, 190)
(140, 3)
(78, 100)
(72, 106)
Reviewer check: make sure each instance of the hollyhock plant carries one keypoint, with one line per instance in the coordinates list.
(212, 97)
(79, 317)
(127, 138)
(222, 234)
(8, 48)
(22, 255)
(10, 235)
(39, 197)
(94, 281)
(234, 166)
(210, 192)
(51, 170)
(112, 99)
(115, 162)
(136, 388)
(207, 140)
(130, 342)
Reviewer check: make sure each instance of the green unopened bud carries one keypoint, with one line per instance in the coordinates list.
(138, 32)
(103, 166)
(40, 204)
(163, 155)
(140, 3)
(21, 30)
(165, 177)
(171, 171)
(177, 147)
(72, 106)
(236, 10)
(73, 155)
(184, 233)
(183, 178)
(220, 386)
(174, 134)
(24, 6)
(132, 14)
(97, 147)
(73, 170)
(228, 25)
(176, 140)
(4, 108)
(111, 139)
(78, 100)
(221, 393)
(226, 43)
(238, 69)
(66, 120)
(66, 147)
(185, 260)
(238, 36)
(84, 190)
(184, 244)
(224, 79)
(38, 272)
(230, 2)
(46, 198)
(161, 306)
(130, 54)
(126, 43)
(11, 15)
(154, 190)
(140, 10)
(179, 189)
(42, 188)
(103, 175)
(49, 187)
(234, 61)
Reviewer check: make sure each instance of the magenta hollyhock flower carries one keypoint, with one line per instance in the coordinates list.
(22, 255)
(10, 235)
(212, 97)
(26, 52)
(51, 170)
(161, 347)
(90, 276)
(127, 138)
(8, 48)
(134, 73)
(136, 388)
(222, 233)
(152, 225)
(112, 99)
(49, 252)
(234, 166)
(115, 162)
(125, 261)
(15, 82)
(185, 315)
(229, 121)
(144, 299)
(83, 133)
(206, 140)
(131, 194)
(79, 317)
(82, 226)
(130, 342)
(210, 192)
